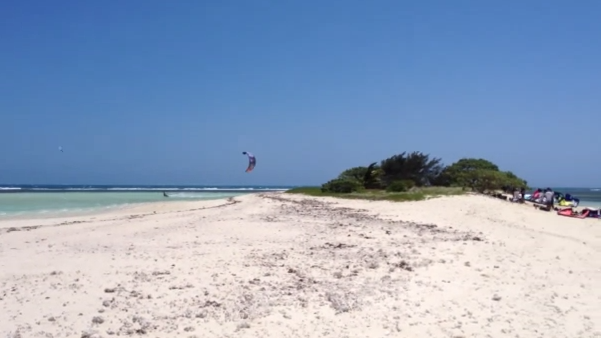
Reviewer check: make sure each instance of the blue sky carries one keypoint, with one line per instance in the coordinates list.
(172, 92)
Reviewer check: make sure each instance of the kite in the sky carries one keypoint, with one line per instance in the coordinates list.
(252, 161)
(60, 149)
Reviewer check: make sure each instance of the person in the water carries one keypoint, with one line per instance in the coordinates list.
(165, 194)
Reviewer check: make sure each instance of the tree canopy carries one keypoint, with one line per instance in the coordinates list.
(368, 177)
(405, 170)
(416, 167)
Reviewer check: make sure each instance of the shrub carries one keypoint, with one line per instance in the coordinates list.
(409, 184)
(400, 186)
(341, 186)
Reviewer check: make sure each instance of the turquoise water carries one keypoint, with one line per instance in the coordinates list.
(589, 197)
(54, 203)
(51, 200)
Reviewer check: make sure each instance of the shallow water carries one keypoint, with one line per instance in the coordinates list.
(589, 197)
(26, 199)
(16, 204)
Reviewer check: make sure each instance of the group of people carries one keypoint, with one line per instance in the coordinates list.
(545, 200)
(545, 197)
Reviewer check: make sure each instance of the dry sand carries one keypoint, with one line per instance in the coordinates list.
(277, 265)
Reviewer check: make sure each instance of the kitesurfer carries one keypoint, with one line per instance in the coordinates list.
(252, 161)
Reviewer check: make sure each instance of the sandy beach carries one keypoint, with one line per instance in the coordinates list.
(281, 265)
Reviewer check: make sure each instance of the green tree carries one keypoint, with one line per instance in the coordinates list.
(462, 172)
(341, 186)
(416, 166)
(511, 180)
(479, 174)
(486, 180)
(371, 179)
(444, 179)
(400, 186)
(368, 177)
(467, 164)
(355, 173)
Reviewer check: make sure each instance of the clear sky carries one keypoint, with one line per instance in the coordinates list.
(172, 92)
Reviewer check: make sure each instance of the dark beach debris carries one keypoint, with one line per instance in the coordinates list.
(210, 303)
(231, 201)
(403, 265)
(472, 238)
(318, 209)
(90, 334)
(160, 273)
(328, 245)
(341, 301)
(108, 303)
(243, 325)
(117, 288)
(136, 325)
(139, 295)
(23, 228)
(181, 287)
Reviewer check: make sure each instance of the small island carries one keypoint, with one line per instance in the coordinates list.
(416, 176)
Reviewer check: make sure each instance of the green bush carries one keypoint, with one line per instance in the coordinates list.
(400, 186)
(409, 184)
(341, 186)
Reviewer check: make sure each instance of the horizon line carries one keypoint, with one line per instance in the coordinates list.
(159, 185)
(216, 185)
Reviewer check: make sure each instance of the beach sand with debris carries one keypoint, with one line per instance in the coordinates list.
(282, 265)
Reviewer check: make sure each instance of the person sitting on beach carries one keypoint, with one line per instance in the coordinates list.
(516, 195)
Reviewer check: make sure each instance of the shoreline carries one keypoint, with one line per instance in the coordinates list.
(275, 265)
(60, 213)
(113, 190)
(129, 210)
(183, 205)
(90, 211)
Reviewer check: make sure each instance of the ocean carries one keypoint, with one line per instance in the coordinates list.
(589, 197)
(57, 200)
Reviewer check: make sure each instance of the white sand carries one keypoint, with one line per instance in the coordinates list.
(276, 265)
